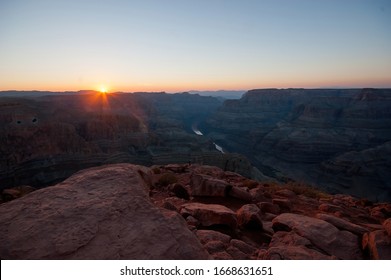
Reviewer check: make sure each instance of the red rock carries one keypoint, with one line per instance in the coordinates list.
(249, 217)
(261, 254)
(381, 211)
(240, 193)
(203, 185)
(325, 207)
(284, 203)
(206, 236)
(291, 246)
(268, 217)
(294, 253)
(323, 235)
(258, 194)
(285, 193)
(170, 206)
(173, 203)
(283, 238)
(176, 168)
(268, 227)
(215, 246)
(237, 254)
(222, 256)
(17, 192)
(191, 221)
(387, 226)
(99, 213)
(342, 224)
(267, 207)
(372, 227)
(210, 214)
(378, 244)
(243, 246)
(180, 191)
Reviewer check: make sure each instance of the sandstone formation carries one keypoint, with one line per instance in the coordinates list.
(122, 211)
(99, 213)
(323, 235)
(210, 214)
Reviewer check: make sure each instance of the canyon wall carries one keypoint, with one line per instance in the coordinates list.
(46, 138)
(334, 138)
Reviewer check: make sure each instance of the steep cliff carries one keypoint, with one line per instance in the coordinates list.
(296, 133)
(46, 138)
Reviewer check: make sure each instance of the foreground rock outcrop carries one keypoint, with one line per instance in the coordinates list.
(100, 213)
(125, 211)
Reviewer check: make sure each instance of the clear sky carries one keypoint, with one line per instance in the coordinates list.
(177, 45)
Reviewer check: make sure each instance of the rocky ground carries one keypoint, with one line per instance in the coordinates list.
(125, 211)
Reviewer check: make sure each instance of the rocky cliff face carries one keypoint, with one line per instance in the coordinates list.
(124, 211)
(46, 138)
(313, 136)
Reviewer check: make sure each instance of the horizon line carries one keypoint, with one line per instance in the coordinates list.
(184, 91)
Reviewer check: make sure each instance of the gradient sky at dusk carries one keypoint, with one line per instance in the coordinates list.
(177, 45)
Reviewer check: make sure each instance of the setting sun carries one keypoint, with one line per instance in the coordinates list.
(103, 89)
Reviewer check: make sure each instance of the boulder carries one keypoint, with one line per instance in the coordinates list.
(215, 243)
(267, 207)
(326, 207)
(377, 244)
(342, 224)
(294, 253)
(258, 194)
(222, 256)
(214, 247)
(268, 227)
(206, 236)
(237, 254)
(285, 193)
(284, 203)
(240, 193)
(180, 191)
(173, 203)
(98, 213)
(176, 168)
(323, 235)
(291, 246)
(210, 214)
(243, 246)
(387, 226)
(249, 217)
(381, 211)
(203, 185)
(17, 192)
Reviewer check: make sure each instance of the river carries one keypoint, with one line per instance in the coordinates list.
(198, 132)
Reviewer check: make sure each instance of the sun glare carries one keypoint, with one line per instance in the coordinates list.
(103, 89)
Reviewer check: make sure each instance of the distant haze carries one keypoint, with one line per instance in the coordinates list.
(178, 45)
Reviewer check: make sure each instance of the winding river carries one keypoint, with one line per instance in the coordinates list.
(198, 132)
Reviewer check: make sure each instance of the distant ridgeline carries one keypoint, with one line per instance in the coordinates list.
(337, 139)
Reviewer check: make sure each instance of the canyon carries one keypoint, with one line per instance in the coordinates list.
(276, 174)
(336, 139)
(46, 137)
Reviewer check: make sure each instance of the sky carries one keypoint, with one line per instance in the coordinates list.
(180, 45)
